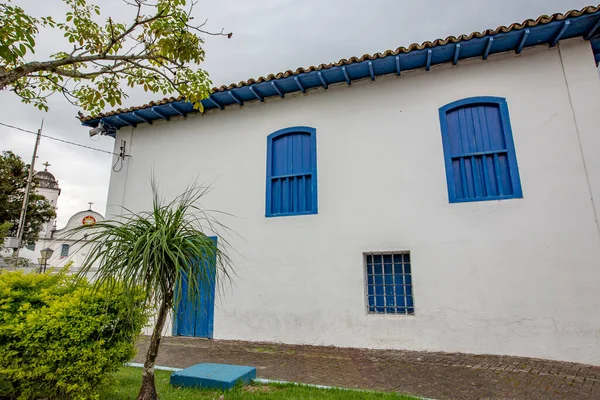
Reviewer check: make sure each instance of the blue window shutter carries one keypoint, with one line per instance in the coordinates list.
(479, 151)
(64, 250)
(291, 172)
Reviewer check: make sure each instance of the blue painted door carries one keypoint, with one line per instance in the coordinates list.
(196, 319)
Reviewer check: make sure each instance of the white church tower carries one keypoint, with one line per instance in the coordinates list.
(48, 187)
(66, 246)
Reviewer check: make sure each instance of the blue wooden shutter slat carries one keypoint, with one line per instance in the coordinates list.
(296, 190)
(466, 147)
(464, 139)
(289, 146)
(473, 147)
(284, 196)
(476, 177)
(294, 194)
(505, 174)
(485, 132)
(480, 147)
(491, 175)
(455, 140)
(296, 141)
(275, 197)
(276, 158)
(498, 177)
(470, 177)
(297, 153)
(285, 158)
(279, 199)
(306, 161)
(492, 114)
(479, 150)
(464, 182)
(457, 183)
(308, 190)
(470, 130)
(486, 177)
(477, 130)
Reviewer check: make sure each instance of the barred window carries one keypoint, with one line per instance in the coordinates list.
(389, 283)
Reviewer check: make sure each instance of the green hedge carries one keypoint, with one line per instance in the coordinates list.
(59, 340)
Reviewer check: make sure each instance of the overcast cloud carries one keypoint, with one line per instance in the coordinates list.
(269, 36)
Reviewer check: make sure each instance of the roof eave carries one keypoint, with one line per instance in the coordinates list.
(543, 31)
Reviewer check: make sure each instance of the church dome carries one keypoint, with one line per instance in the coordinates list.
(46, 179)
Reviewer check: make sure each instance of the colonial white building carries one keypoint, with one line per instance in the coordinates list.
(440, 197)
(66, 246)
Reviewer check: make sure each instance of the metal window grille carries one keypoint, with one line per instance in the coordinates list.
(64, 250)
(31, 246)
(389, 283)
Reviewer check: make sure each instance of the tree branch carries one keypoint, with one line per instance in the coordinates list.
(36, 66)
(131, 28)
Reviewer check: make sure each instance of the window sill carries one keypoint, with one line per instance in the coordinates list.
(391, 315)
(485, 199)
(290, 214)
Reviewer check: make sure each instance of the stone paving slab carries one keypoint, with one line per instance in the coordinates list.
(440, 376)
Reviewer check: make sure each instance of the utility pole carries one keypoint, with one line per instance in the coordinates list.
(21, 227)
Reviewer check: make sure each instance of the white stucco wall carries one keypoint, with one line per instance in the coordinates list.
(518, 277)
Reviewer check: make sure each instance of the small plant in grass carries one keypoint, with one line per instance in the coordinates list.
(157, 250)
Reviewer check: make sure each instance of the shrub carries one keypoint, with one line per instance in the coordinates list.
(61, 340)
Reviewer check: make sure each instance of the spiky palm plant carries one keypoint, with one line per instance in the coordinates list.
(156, 250)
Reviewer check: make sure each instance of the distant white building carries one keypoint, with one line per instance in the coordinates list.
(440, 197)
(65, 245)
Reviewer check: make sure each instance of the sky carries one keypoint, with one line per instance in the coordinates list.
(269, 36)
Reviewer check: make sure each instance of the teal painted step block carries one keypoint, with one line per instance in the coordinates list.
(216, 376)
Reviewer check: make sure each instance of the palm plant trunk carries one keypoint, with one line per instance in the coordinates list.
(148, 389)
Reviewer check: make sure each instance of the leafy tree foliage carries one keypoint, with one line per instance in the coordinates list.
(4, 228)
(13, 181)
(159, 51)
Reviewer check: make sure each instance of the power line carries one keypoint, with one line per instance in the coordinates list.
(59, 140)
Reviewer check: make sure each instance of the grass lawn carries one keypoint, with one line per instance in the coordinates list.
(126, 384)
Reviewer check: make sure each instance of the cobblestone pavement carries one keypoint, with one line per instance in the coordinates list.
(432, 375)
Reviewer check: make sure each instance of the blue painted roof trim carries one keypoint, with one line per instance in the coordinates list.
(585, 26)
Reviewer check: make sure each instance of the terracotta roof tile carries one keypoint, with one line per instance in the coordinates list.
(544, 19)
